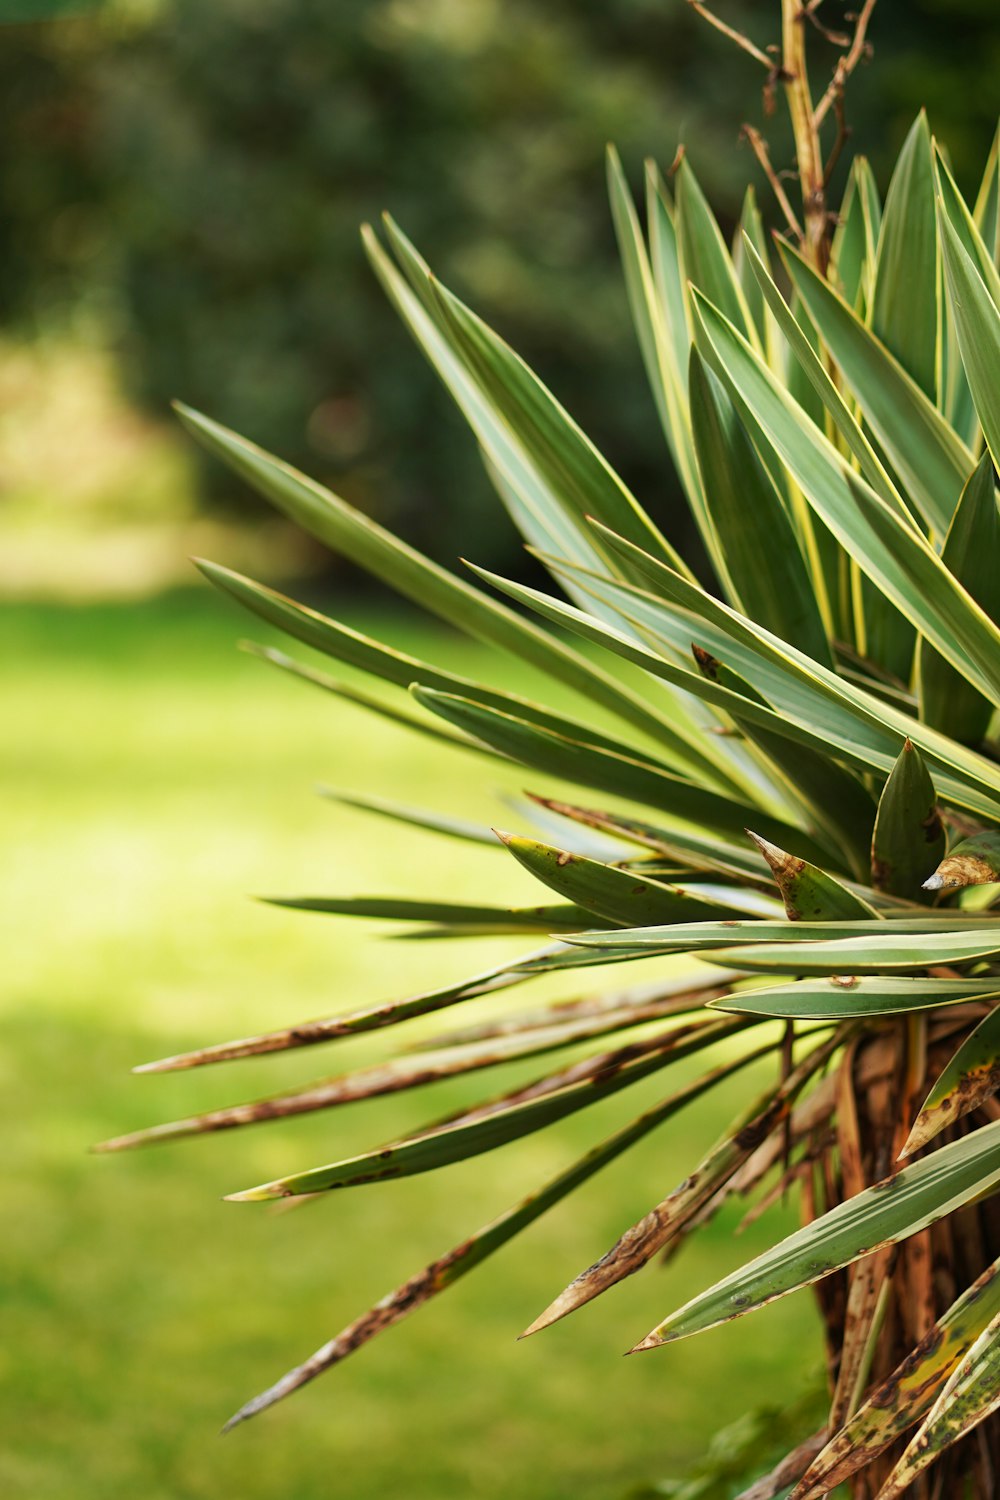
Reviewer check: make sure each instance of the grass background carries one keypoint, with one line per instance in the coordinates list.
(152, 778)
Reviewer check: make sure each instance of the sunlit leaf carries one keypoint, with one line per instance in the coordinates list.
(913, 1198)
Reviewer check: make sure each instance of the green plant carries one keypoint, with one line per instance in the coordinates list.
(836, 443)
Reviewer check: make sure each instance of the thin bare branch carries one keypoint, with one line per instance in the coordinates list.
(837, 38)
(843, 135)
(858, 49)
(758, 146)
(743, 42)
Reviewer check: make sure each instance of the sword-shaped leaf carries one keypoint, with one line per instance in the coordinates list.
(486, 1130)
(809, 893)
(910, 1200)
(564, 917)
(751, 228)
(909, 840)
(705, 261)
(848, 995)
(972, 1076)
(977, 234)
(852, 254)
(977, 326)
(910, 1391)
(615, 894)
(570, 464)
(761, 566)
(703, 935)
(698, 853)
(361, 699)
(987, 210)
(417, 817)
(952, 206)
(660, 343)
(972, 554)
(811, 367)
(972, 1394)
(870, 955)
(491, 1048)
(905, 313)
(369, 546)
(443, 1273)
(804, 690)
(371, 1018)
(362, 651)
(930, 459)
(809, 703)
(682, 992)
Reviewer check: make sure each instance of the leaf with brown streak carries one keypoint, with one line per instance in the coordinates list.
(809, 893)
(908, 1393)
(486, 1127)
(372, 1018)
(444, 1272)
(416, 1070)
(972, 1394)
(975, 861)
(972, 1075)
(638, 1244)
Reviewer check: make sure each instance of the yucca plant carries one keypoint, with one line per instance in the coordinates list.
(789, 765)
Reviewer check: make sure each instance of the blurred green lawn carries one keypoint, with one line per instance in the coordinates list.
(152, 778)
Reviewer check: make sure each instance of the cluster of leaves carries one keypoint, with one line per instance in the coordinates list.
(835, 442)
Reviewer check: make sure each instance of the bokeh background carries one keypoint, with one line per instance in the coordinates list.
(181, 183)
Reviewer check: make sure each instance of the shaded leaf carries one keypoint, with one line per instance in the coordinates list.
(834, 801)
(888, 550)
(761, 565)
(971, 552)
(931, 461)
(588, 763)
(908, 841)
(905, 310)
(562, 918)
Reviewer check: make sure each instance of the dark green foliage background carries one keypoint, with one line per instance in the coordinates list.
(191, 175)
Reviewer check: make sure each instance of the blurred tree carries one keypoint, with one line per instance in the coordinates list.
(193, 173)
